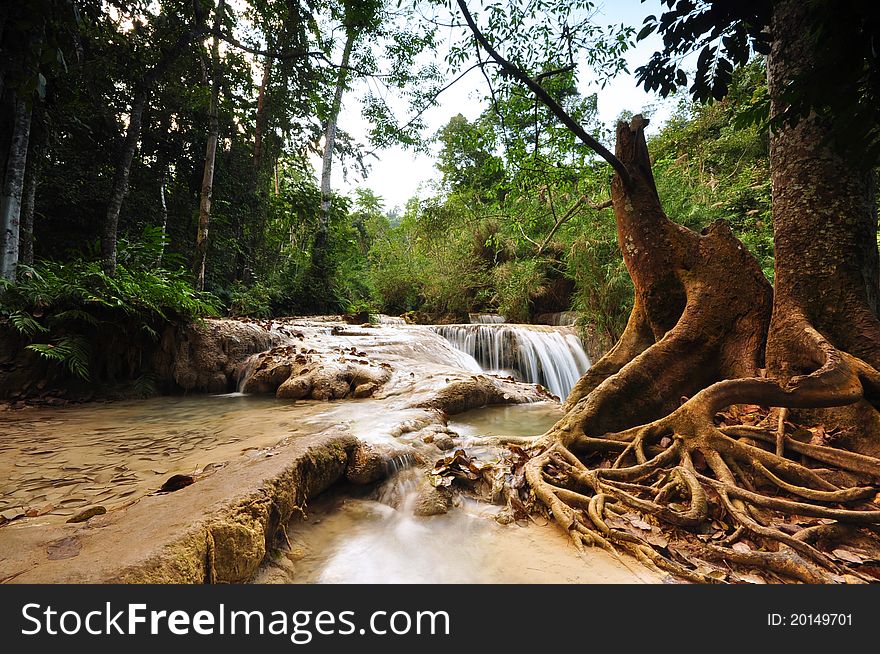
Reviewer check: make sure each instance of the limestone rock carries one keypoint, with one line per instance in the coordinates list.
(444, 441)
(432, 501)
(365, 465)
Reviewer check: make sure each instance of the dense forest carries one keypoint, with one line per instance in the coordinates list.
(163, 179)
(166, 161)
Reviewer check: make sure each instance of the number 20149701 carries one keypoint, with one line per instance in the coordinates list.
(809, 619)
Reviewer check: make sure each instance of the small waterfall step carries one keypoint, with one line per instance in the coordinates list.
(539, 354)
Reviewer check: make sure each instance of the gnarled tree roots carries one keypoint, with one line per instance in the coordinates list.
(690, 490)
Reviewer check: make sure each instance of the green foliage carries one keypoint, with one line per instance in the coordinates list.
(516, 282)
(65, 302)
(71, 351)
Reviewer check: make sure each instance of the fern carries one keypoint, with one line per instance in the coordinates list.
(26, 324)
(70, 351)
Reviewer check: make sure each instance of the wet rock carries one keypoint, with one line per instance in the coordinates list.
(365, 390)
(267, 377)
(295, 388)
(365, 465)
(239, 545)
(175, 483)
(91, 512)
(432, 501)
(463, 394)
(444, 441)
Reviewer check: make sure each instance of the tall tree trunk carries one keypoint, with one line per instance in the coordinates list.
(13, 182)
(163, 209)
(824, 222)
(244, 257)
(119, 187)
(210, 156)
(329, 145)
(31, 182)
(261, 118)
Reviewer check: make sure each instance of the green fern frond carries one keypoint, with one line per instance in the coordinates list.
(25, 324)
(70, 351)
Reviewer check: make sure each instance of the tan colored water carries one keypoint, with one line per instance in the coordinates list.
(111, 454)
(348, 539)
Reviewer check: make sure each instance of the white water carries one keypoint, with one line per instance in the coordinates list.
(552, 357)
(383, 319)
(485, 318)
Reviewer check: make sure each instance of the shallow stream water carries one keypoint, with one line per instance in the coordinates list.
(351, 537)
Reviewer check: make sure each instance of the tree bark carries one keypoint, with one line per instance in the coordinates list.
(119, 187)
(31, 182)
(825, 235)
(330, 136)
(210, 156)
(261, 118)
(13, 182)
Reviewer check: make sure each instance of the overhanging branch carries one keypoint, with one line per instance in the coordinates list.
(544, 97)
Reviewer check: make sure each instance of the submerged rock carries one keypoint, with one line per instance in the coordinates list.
(432, 501)
(91, 512)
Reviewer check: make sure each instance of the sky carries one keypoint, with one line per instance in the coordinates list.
(397, 174)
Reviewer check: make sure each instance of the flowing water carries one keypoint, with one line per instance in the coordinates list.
(375, 538)
(539, 354)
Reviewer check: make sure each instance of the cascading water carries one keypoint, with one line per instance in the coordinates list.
(550, 356)
(383, 319)
(485, 318)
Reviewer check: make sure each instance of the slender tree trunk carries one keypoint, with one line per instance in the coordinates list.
(119, 188)
(261, 118)
(330, 136)
(13, 182)
(31, 182)
(210, 156)
(244, 257)
(163, 209)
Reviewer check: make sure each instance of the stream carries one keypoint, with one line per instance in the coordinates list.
(55, 462)
(351, 537)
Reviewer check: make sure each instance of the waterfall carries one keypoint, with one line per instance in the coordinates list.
(559, 319)
(382, 319)
(550, 356)
(485, 318)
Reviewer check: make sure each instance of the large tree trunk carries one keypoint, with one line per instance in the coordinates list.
(210, 156)
(13, 183)
(825, 240)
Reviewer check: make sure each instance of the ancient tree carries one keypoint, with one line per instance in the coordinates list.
(653, 429)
